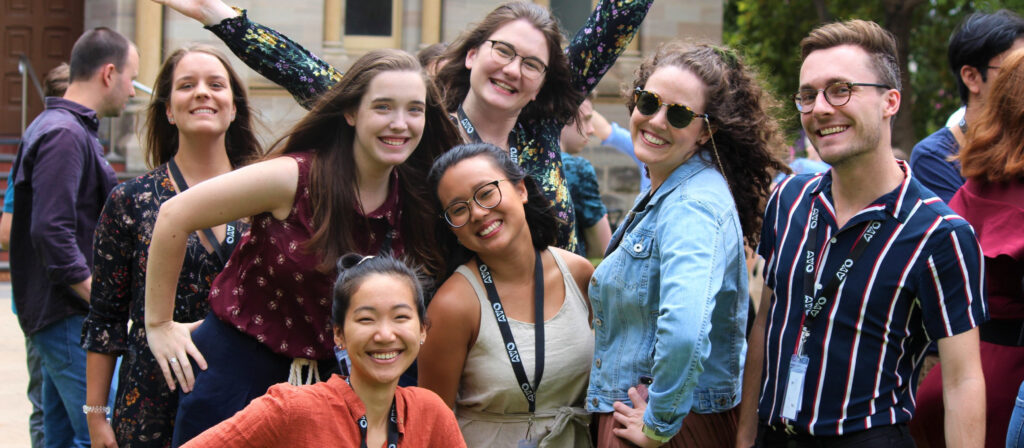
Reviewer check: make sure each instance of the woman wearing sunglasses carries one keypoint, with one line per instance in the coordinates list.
(506, 81)
(670, 298)
(510, 342)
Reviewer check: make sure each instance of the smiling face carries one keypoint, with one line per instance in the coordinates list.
(389, 120)
(657, 143)
(487, 230)
(501, 86)
(201, 100)
(382, 330)
(861, 126)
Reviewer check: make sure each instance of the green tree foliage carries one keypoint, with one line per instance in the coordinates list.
(768, 34)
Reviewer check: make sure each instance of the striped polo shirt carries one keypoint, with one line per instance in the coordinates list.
(919, 279)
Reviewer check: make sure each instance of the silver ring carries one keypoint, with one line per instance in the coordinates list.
(173, 360)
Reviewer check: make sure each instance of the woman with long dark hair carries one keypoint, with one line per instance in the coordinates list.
(198, 126)
(671, 294)
(507, 80)
(350, 176)
(510, 341)
(379, 315)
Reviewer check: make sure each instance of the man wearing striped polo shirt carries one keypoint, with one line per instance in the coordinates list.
(864, 267)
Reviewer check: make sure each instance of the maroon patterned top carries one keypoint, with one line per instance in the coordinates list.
(271, 290)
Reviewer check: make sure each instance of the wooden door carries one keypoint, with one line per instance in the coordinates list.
(43, 30)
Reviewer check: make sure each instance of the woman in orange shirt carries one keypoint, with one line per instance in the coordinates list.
(378, 316)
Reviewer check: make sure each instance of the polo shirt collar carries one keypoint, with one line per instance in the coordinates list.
(86, 115)
(896, 203)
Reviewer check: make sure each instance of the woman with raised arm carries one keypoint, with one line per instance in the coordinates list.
(350, 176)
(510, 343)
(379, 316)
(670, 298)
(198, 126)
(507, 80)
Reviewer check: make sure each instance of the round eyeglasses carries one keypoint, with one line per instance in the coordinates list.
(837, 94)
(505, 53)
(679, 116)
(486, 196)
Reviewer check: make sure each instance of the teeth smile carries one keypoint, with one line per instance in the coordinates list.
(203, 111)
(384, 356)
(832, 130)
(503, 86)
(393, 141)
(490, 228)
(654, 138)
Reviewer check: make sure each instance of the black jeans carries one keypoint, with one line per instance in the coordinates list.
(889, 436)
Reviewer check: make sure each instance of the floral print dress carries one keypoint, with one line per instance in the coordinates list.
(591, 53)
(145, 407)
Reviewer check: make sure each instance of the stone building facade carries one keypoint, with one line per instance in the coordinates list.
(320, 25)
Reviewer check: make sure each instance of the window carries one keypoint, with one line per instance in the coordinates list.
(370, 24)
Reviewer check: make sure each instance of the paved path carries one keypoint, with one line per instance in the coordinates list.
(14, 406)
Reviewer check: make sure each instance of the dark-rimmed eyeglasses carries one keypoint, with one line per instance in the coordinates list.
(649, 103)
(505, 53)
(836, 94)
(485, 196)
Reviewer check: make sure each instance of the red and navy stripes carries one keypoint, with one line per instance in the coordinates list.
(920, 279)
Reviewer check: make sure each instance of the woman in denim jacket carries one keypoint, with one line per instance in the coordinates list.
(670, 298)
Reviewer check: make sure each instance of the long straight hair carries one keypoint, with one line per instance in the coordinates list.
(333, 187)
(162, 136)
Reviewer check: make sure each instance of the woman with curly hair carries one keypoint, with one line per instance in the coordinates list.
(670, 298)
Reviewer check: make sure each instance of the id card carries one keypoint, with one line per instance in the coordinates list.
(794, 387)
(523, 443)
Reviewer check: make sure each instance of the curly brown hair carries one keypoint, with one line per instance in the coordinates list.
(746, 135)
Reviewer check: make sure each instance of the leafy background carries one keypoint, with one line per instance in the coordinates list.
(768, 34)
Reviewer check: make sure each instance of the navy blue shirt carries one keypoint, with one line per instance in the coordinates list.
(932, 167)
(918, 280)
(61, 182)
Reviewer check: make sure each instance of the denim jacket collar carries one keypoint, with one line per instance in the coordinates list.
(688, 169)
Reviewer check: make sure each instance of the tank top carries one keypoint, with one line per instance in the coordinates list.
(490, 407)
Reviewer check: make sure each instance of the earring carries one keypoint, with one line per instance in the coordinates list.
(422, 341)
(170, 119)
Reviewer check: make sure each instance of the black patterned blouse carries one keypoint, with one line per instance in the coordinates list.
(144, 409)
(591, 53)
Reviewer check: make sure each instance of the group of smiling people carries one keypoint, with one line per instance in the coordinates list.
(397, 190)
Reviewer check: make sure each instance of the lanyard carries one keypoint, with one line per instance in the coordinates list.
(475, 138)
(230, 237)
(529, 391)
(392, 425)
(815, 298)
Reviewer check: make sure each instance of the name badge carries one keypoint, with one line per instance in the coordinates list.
(794, 387)
(523, 443)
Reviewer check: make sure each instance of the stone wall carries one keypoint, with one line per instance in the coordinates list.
(303, 21)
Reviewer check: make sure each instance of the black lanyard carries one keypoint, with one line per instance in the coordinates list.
(815, 299)
(475, 138)
(529, 391)
(393, 433)
(230, 233)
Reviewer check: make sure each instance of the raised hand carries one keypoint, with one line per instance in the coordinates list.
(207, 12)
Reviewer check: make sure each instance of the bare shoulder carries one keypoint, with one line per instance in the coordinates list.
(581, 268)
(455, 303)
